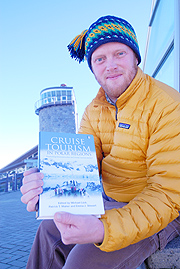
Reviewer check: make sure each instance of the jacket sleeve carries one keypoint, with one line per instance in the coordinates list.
(158, 204)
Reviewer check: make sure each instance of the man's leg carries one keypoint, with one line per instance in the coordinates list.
(89, 257)
(48, 251)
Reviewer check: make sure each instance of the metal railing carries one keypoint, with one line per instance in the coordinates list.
(11, 183)
(51, 101)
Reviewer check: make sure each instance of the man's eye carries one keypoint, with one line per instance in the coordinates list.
(98, 60)
(122, 53)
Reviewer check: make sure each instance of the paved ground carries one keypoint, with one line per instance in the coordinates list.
(17, 230)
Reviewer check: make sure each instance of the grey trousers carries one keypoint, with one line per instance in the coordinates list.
(48, 251)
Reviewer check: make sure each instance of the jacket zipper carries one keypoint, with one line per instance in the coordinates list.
(116, 111)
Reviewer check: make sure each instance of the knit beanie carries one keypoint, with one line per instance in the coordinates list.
(106, 29)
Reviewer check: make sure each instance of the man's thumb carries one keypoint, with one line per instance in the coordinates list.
(63, 217)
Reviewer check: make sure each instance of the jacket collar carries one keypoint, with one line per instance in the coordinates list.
(130, 91)
(109, 100)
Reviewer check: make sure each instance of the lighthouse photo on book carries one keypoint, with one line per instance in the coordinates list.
(71, 177)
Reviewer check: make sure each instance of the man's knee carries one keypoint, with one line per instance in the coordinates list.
(47, 228)
(46, 225)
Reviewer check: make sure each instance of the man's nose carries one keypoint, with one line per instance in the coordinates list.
(111, 65)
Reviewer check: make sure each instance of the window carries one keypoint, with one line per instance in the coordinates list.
(58, 93)
(68, 92)
(166, 73)
(162, 33)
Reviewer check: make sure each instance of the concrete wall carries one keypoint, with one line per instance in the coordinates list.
(60, 118)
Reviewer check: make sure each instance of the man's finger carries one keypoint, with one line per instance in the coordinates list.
(28, 196)
(64, 217)
(31, 206)
(32, 177)
(68, 219)
(30, 171)
(30, 186)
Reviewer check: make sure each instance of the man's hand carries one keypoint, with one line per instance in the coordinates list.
(79, 229)
(32, 187)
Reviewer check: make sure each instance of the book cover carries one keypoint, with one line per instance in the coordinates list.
(71, 176)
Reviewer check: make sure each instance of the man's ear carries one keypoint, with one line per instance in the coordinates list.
(136, 61)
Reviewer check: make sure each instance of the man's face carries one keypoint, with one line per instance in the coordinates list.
(114, 66)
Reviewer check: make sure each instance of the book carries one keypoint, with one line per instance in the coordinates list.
(71, 177)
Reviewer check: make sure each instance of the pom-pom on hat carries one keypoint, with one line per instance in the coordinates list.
(106, 29)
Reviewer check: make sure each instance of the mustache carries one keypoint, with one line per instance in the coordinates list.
(114, 72)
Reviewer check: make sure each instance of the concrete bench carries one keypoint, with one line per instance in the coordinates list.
(166, 258)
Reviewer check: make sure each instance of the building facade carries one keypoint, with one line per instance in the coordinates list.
(11, 175)
(162, 55)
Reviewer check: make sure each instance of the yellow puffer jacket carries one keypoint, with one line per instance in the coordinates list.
(138, 149)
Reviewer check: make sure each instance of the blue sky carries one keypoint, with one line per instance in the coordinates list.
(33, 56)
